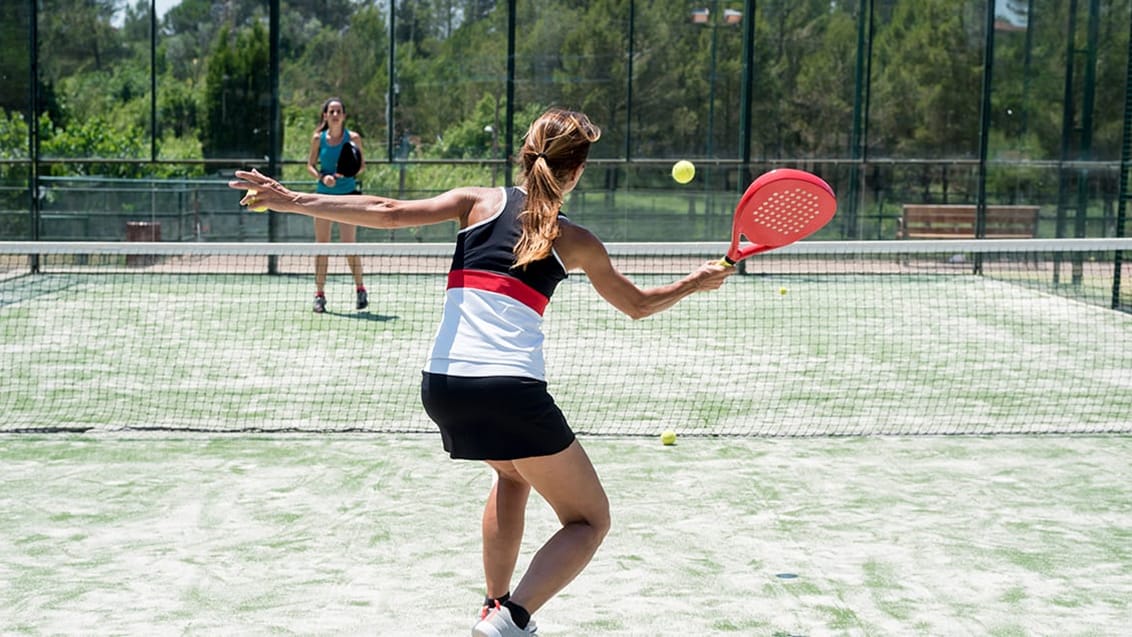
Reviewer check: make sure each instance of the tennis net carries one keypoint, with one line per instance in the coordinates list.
(818, 338)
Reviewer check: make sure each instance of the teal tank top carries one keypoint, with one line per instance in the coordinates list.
(328, 163)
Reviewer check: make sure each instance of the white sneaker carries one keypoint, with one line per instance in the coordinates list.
(498, 623)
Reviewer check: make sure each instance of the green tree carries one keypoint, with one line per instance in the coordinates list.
(237, 95)
(927, 81)
(75, 37)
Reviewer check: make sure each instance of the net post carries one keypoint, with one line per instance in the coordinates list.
(1123, 194)
(984, 133)
(33, 129)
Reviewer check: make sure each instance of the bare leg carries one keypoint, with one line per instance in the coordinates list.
(504, 518)
(568, 482)
(321, 235)
(349, 234)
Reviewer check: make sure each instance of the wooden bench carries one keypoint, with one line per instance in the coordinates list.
(940, 221)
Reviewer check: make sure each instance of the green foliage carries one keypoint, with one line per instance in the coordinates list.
(80, 37)
(1012, 181)
(180, 110)
(92, 137)
(472, 137)
(14, 58)
(13, 177)
(173, 147)
(13, 136)
(118, 97)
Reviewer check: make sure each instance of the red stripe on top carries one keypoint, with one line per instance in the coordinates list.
(501, 284)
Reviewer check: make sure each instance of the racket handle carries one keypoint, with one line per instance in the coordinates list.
(726, 262)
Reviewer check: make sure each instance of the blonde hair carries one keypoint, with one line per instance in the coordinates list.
(555, 146)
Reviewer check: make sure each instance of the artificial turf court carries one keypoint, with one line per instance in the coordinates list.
(896, 445)
(349, 534)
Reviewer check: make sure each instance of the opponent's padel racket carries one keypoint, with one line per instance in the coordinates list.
(779, 208)
(349, 160)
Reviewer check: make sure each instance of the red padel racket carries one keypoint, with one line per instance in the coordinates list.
(779, 208)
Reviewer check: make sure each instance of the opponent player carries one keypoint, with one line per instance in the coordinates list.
(327, 141)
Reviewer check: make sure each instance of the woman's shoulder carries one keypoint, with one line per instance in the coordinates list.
(483, 201)
(354, 136)
(573, 229)
(577, 245)
(492, 197)
(571, 234)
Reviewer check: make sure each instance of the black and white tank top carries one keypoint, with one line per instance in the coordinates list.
(492, 321)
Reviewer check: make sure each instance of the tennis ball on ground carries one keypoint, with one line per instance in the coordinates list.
(683, 171)
(257, 208)
(668, 437)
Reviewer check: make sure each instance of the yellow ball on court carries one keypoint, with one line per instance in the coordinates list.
(256, 208)
(683, 171)
(668, 438)
(782, 290)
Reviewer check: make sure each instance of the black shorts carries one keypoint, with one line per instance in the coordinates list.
(495, 417)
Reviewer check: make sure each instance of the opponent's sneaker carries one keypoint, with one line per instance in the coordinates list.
(320, 304)
(363, 300)
(498, 623)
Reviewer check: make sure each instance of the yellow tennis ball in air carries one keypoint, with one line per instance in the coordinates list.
(683, 171)
(256, 208)
(668, 437)
(782, 290)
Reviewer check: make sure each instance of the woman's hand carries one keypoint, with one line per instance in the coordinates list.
(329, 180)
(711, 275)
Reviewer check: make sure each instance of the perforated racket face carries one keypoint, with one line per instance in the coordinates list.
(779, 208)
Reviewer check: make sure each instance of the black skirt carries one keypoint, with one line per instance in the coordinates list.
(495, 417)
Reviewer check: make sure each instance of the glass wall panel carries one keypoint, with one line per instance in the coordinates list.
(1057, 111)
(236, 94)
(923, 116)
(186, 33)
(450, 92)
(15, 116)
(452, 83)
(94, 68)
(141, 104)
(447, 101)
(15, 208)
(337, 49)
(576, 55)
(803, 90)
(15, 68)
(333, 50)
(926, 79)
(573, 55)
(687, 74)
